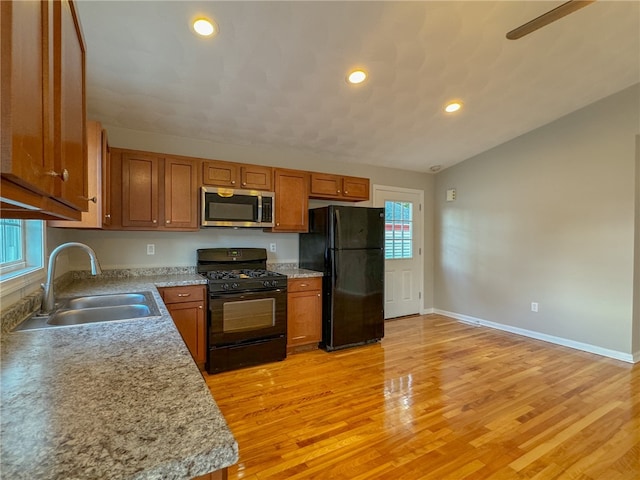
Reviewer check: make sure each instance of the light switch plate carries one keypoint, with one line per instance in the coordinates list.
(451, 194)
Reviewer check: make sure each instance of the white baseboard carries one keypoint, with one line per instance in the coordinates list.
(585, 347)
(427, 311)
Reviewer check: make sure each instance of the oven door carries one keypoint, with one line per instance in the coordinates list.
(241, 317)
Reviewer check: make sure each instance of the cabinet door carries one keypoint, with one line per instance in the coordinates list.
(221, 174)
(304, 318)
(180, 194)
(106, 180)
(189, 320)
(355, 188)
(69, 101)
(140, 175)
(96, 156)
(25, 65)
(325, 185)
(291, 201)
(255, 177)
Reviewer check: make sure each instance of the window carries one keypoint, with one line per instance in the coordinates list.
(21, 247)
(398, 231)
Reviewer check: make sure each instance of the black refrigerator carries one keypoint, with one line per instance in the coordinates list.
(347, 245)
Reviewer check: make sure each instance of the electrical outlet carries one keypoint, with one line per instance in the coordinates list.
(272, 247)
(534, 307)
(151, 249)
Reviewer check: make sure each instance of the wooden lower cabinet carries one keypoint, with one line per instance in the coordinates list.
(187, 307)
(304, 313)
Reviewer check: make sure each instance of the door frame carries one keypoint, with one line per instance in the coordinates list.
(419, 227)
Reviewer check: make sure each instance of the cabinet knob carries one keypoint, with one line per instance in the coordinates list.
(346, 193)
(108, 215)
(233, 182)
(200, 307)
(168, 221)
(277, 224)
(64, 175)
(318, 294)
(92, 199)
(155, 221)
(338, 191)
(244, 183)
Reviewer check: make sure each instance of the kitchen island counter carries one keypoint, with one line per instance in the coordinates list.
(117, 400)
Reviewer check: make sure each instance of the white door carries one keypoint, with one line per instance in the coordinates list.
(403, 249)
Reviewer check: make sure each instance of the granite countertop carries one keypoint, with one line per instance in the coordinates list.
(293, 271)
(117, 400)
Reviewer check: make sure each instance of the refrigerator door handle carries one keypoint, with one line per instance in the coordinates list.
(336, 229)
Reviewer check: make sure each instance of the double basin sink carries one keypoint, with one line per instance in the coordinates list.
(93, 309)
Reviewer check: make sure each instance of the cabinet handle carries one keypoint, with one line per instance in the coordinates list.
(92, 199)
(64, 175)
(304, 284)
(184, 294)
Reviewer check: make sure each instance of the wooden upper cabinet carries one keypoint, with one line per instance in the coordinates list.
(70, 128)
(150, 191)
(98, 186)
(180, 194)
(355, 188)
(337, 187)
(42, 131)
(256, 177)
(140, 195)
(237, 175)
(220, 174)
(291, 201)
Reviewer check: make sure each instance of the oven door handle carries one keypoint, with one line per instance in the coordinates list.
(245, 295)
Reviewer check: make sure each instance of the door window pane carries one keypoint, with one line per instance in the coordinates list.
(398, 237)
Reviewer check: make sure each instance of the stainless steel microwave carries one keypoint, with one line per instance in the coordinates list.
(227, 207)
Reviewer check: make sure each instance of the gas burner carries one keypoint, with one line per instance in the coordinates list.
(244, 273)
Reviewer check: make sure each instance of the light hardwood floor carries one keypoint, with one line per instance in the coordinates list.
(436, 399)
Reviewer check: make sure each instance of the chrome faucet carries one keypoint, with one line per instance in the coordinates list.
(48, 299)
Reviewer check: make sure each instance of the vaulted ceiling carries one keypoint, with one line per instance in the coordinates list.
(275, 73)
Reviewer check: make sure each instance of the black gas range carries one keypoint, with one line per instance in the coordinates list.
(247, 314)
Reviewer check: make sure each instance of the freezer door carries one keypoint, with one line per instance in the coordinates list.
(356, 227)
(356, 313)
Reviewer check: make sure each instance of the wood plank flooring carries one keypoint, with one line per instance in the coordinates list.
(436, 399)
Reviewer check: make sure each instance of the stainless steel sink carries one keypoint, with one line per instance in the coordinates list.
(107, 300)
(98, 314)
(94, 309)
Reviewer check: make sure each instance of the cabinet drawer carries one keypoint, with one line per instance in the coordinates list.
(304, 284)
(193, 293)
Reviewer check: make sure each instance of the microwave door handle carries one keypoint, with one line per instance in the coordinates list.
(259, 219)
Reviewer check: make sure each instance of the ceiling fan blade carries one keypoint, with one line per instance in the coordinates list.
(546, 18)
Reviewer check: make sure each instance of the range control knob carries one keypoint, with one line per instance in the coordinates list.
(234, 285)
(225, 286)
(266, 283)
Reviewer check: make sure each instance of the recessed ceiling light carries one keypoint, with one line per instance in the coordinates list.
(205, 27)
(452, 107)
(357, 76)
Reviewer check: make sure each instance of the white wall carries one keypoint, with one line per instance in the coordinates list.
(128, 249)
(548, 217)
